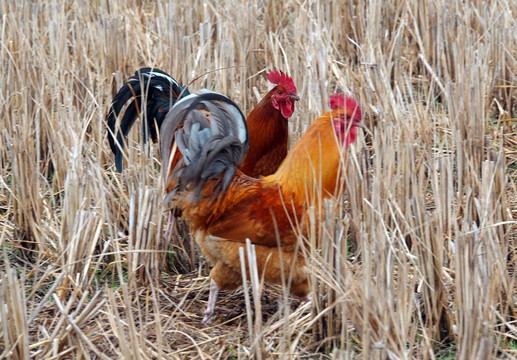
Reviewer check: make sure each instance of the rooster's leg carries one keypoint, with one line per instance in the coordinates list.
(212, 298)
(171, 226)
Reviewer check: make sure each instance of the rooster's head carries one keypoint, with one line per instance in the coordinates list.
(347, 117)
(284, 94)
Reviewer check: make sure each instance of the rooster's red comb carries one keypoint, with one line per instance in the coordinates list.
(278, 77)
(340, 101)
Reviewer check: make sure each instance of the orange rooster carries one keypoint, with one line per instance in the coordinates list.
(225, 206)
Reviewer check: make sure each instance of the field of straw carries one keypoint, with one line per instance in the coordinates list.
(418, 257)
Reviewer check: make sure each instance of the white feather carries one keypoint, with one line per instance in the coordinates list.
(168, 78)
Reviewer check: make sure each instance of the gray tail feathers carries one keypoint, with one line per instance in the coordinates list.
(150, 92)
(211, 134)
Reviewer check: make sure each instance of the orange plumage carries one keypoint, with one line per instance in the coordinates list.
(227, 206)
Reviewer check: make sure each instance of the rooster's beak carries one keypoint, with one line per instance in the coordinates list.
(295, 97)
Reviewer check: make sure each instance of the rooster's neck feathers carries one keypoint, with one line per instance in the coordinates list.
(267, 123)
(269, 136)
(313, 162)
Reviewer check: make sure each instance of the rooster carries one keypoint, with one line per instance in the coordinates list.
(225, 207)
(268, 128)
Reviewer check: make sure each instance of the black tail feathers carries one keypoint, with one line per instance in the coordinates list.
(159, 92)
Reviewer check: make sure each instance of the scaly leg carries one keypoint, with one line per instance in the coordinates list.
(171, 227)
(212, 298)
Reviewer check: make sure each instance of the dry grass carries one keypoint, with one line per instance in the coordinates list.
(417, 262)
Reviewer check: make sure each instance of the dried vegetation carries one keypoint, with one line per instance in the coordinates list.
(418, 260)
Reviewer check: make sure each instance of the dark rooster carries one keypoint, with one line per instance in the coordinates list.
(225, 207)
(268, 127)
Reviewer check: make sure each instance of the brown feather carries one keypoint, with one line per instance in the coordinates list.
(268, 138)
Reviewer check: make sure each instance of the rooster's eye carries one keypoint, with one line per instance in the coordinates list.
(280, 92)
